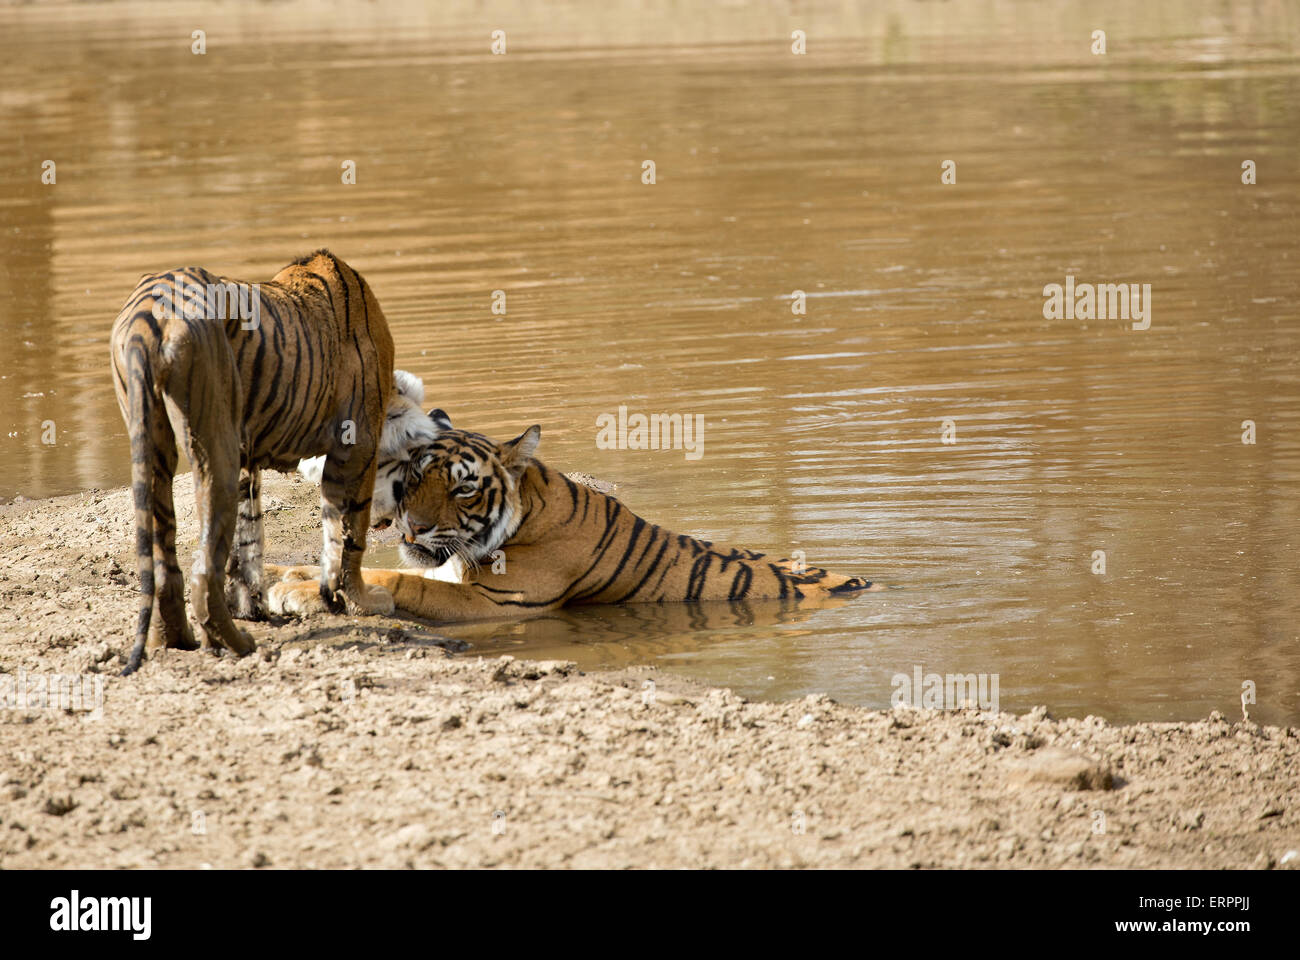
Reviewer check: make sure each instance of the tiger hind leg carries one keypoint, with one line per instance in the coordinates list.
(215, 499)
(170, 626)
(214, 450)
(244, 567)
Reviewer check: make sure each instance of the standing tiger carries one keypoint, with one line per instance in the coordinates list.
(303, 367)
(467, 496)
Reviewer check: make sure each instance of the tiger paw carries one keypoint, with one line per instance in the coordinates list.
(236, 641)
(377, 601)
(295, 598)
(176, 636)
(273, 571)
(244, 602)
(241, 644)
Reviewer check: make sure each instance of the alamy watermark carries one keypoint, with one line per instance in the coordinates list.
(78, 693)
(75, 913)
(656, 431)
(1099, 301)
(209, 301)
(953, 691)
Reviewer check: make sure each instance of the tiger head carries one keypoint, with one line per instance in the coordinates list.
(406, 428)
(461, 497)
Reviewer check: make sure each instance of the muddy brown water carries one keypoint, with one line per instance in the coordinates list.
(823, 431)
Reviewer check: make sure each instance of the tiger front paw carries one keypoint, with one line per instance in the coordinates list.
(295, 598)
(376, 601)
(273, 571)
(244, 602)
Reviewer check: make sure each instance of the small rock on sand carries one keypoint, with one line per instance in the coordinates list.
(1065, 769)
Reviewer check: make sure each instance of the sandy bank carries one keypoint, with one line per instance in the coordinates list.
(364, 743)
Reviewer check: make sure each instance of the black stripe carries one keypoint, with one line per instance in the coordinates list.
(653, 566)
(740, 585)
(781, 579)
(635, 535)
(699, 574)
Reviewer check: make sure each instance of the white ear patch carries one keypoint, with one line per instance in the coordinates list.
(406, 425)
(409, 385)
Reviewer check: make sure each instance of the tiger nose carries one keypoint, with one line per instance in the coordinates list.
(416, 531)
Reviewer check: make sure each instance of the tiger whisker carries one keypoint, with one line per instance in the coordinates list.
(467, 556)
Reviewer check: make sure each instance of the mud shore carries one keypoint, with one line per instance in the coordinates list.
(363, 742)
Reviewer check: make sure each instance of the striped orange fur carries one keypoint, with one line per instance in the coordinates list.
(534, 541)
(310, 375)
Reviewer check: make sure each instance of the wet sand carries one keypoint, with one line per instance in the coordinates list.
(363, 742)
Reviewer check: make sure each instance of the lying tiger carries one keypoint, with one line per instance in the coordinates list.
(466, 496)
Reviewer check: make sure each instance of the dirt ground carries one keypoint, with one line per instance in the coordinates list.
(363, 742)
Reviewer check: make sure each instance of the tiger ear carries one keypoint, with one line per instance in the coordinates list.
(516, 454)
(440, 418)
(408, 385)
